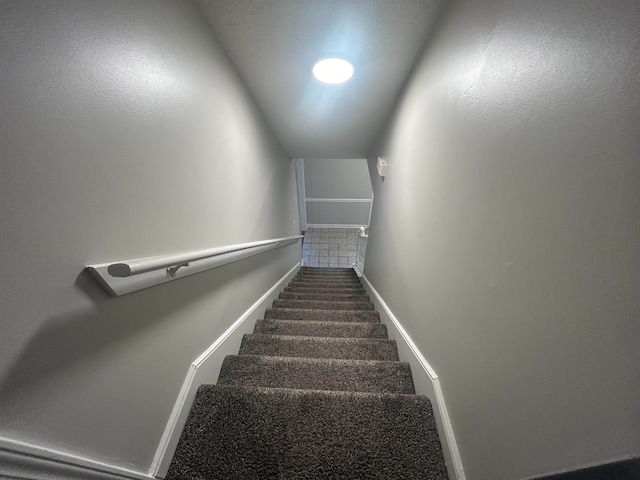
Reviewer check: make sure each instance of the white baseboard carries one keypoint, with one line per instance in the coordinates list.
(426, 381)
(24, 461)
(205, 369)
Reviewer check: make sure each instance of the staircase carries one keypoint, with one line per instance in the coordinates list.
(316, 392)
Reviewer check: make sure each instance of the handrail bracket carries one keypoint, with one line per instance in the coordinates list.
(173, 270)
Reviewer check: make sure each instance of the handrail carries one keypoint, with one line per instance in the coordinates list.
(144, 265)
(129, 276)
(358, 266)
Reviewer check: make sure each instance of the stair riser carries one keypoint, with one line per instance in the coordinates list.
(317, 347)
(332, 285)
(317, 374)
(322, 329)
(324, 296)
(322, 315)
(327, 283)
(322, 305)
(328, 290)
(327, 280)
(326, 271)
(327, 275)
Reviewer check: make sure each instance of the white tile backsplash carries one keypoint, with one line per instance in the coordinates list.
(330, 247)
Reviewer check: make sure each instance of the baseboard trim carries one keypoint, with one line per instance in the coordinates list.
(21, 460)
(171, 435)
(449, 435)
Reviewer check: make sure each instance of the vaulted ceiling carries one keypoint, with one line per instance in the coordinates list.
(275, 43)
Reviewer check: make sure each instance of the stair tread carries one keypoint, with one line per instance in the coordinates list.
(328, 393)
(307, 435)
(329, 281)
(317, 373)
(321, 328)
(319, 347)
(328, 315)
(323, 304)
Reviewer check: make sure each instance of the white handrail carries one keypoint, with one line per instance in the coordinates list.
(143, 265)
(125, 277)
(358, 265)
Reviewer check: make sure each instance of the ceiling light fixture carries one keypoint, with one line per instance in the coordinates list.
(333, 70)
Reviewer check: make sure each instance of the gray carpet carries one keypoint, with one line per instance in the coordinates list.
(323, 304)
(325, 279)
(323, 284)
(258, 433)
(321, 329)
(333, 315)
(341, 297)
(319, 347)
(326, 290)
(374, 376)
(316, 392)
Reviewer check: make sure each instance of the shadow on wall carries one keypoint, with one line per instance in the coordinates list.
(269, 213)
(72, 339)
(623, 470)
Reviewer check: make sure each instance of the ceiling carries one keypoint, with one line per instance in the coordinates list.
(275, 43)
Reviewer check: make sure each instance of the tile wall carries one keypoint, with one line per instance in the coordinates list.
(330, 247)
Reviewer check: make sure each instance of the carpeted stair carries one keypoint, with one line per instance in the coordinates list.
(316, 392)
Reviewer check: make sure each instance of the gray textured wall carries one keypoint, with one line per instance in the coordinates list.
(337, 178)
(506, 237)
(340, 213)
(125, 132)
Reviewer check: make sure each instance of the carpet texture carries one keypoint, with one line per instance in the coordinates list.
(326, 290)
(316, 392)
(339, 297)
(324, 279)
(319, 347)
(334, 315)
(316, 374)
(323, 304)
(321, 329)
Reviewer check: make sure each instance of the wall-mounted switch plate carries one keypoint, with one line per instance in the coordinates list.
(383, 166)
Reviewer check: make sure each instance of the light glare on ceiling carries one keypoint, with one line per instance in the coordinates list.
(333, 70)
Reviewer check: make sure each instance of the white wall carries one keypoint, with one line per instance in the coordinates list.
(125, 132)
(337, 178)
(506, 235)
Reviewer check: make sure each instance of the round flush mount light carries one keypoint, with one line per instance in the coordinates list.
(333, 70)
